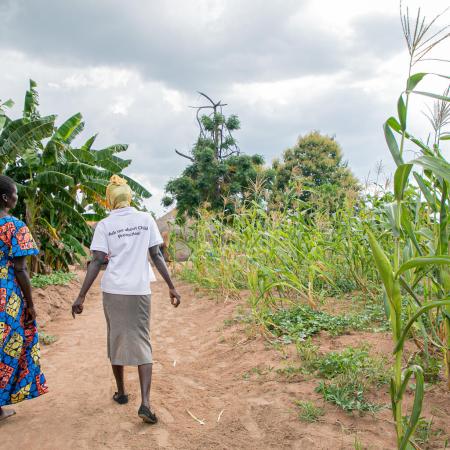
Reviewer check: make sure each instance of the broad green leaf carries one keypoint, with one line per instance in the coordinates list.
(19, 134)
(407, 227)
(438, 166)
(8, 104)
(136, 187)
(401, 180)
(88, 144)
(414, 80)
(421, 262)
(68, 131)
(383, 265)
(392, 213)
(54, 178)
(401, 109)
(426, 191)
(444, 137)
(74, 244)
(392, 144)
(31, 102)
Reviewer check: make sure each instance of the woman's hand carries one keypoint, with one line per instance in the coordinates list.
(30, 315)
(175, 298)
(77, 306)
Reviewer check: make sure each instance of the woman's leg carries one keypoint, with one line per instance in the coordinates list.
(5, 414)
(118, 375)
(145, 380)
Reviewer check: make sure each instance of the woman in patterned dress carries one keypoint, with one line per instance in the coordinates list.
(20, 372)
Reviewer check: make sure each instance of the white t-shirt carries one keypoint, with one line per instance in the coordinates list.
(126, 235)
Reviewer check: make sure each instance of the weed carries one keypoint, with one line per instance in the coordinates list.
(290, 371)
(354, 363)
(301, 322)
(308, 411)
(349, 396)
(431, 366)
(46, 339)
(55, 278)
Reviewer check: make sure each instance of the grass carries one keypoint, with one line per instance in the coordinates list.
(308, 412)
(55, 278)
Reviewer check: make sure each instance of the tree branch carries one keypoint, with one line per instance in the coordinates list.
(184, 156)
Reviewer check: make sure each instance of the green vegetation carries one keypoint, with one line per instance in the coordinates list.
(61, 187)
(348, 396)
(302, 231)
(55, 278)
(218, 170)
(47, 339)
(308, 411)
(316, 165)
(301, 322)
(354, 363)
(413, 215)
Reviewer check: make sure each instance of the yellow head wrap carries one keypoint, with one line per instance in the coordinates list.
(118, 193)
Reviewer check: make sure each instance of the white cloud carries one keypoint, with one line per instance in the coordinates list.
(285, 67)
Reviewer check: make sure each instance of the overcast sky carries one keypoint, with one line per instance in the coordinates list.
(285, 67)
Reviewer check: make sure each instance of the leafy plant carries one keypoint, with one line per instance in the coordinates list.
(55, 278)
(409, 262)
(308, 411)
(219, 175)
(61, 187)
(353, 362)
(301, 322)
(349, 396)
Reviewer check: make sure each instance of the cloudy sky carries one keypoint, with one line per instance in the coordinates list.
(286, 67)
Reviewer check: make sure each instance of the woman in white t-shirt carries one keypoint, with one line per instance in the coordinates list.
(125, 239)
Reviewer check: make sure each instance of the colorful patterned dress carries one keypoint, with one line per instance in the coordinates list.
(20, 372)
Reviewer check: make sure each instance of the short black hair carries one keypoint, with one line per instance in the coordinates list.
(7, 185)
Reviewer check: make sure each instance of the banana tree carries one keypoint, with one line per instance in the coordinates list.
(61, 187)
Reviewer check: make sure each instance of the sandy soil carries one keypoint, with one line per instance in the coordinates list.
(221, 373)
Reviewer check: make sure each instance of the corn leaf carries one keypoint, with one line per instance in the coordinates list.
(414, 80)
(401, 180)
(401, 109)
(419, 312)
(392, 144)
(417, 405)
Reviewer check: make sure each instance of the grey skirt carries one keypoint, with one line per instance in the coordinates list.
(128, 324)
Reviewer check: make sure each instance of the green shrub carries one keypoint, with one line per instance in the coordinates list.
(301, 322)
(55, 278)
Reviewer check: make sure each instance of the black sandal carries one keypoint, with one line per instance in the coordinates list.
(120, 399)
(146, 415)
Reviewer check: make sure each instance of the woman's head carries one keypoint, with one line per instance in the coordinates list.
(8, 193)
(118, 193)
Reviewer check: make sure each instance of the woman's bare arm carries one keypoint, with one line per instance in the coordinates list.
(23, 279)
(160, 264)
(92, 272)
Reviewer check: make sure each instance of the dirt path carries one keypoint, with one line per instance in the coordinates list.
(200, 366)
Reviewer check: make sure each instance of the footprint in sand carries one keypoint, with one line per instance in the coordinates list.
(252, 427)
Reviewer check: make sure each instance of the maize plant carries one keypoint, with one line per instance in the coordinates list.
(418, 255)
